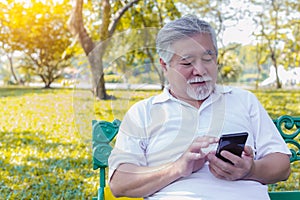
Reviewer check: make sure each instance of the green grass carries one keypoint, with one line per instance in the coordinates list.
(45, 138)
(280, 102)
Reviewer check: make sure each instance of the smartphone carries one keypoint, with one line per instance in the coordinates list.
(234, 143)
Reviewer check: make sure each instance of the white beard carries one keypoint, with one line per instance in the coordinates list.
(200, 93)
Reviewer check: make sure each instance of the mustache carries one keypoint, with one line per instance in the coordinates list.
(199, 79)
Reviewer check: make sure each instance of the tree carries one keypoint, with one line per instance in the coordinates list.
(116, 15)
(45, 44)
(277, 33)
(260, 58)
(7, 39)
(229, 64)
(107, 29)
(147, 24)
(291, 48)
(270, 32)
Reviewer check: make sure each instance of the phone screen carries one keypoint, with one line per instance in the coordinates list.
(233, 143)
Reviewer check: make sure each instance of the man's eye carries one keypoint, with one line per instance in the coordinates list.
(207, 59)
(186, 64)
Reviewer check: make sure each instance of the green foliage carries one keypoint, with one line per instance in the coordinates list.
(280, 102)
(45, 46)
(45, 148)
(277, 33)
(141, 22)
(229, 67)
(113, 78)
(146, 78)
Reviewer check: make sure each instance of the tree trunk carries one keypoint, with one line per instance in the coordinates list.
(96, 61)
(257, 77)
(46, 82)
(47, 86)
(98, 83)
(276, 6)
(258, 61)
(9, 57)
(278, 83)
(94, 57)
(95, 53)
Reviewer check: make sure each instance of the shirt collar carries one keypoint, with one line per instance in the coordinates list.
(165, 95)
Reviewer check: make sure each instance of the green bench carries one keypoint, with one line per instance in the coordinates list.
(289, 128)
(103, 133)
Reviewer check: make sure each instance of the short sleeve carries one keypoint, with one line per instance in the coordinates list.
(129, 142)
(267, 137)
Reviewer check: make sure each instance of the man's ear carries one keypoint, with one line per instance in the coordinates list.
(163, 64)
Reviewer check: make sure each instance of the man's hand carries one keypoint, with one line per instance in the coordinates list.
(242, 166)
(194, 157)
(145, 180)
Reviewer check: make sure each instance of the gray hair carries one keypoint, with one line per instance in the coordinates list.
(183, 27)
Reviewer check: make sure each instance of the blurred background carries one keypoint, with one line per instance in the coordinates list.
(64, 63)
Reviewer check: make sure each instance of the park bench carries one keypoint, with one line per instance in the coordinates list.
(103, 133)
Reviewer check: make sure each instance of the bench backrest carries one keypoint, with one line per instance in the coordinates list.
(103, 133)
(289, 128)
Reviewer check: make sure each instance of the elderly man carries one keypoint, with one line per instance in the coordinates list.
(165, 147)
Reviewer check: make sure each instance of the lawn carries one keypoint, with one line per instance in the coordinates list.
(45, 138)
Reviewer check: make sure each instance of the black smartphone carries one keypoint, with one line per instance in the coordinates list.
(234, 143)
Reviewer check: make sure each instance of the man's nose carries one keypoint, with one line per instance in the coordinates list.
(199, 69)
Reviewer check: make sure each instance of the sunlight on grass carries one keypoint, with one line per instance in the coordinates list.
(45, 146)
(41, 153)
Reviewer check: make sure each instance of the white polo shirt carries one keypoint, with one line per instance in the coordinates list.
(159, 129)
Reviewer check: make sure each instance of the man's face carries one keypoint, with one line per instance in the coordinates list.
(192, 71)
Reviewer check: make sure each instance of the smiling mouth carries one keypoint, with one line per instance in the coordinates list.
(198, 82)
